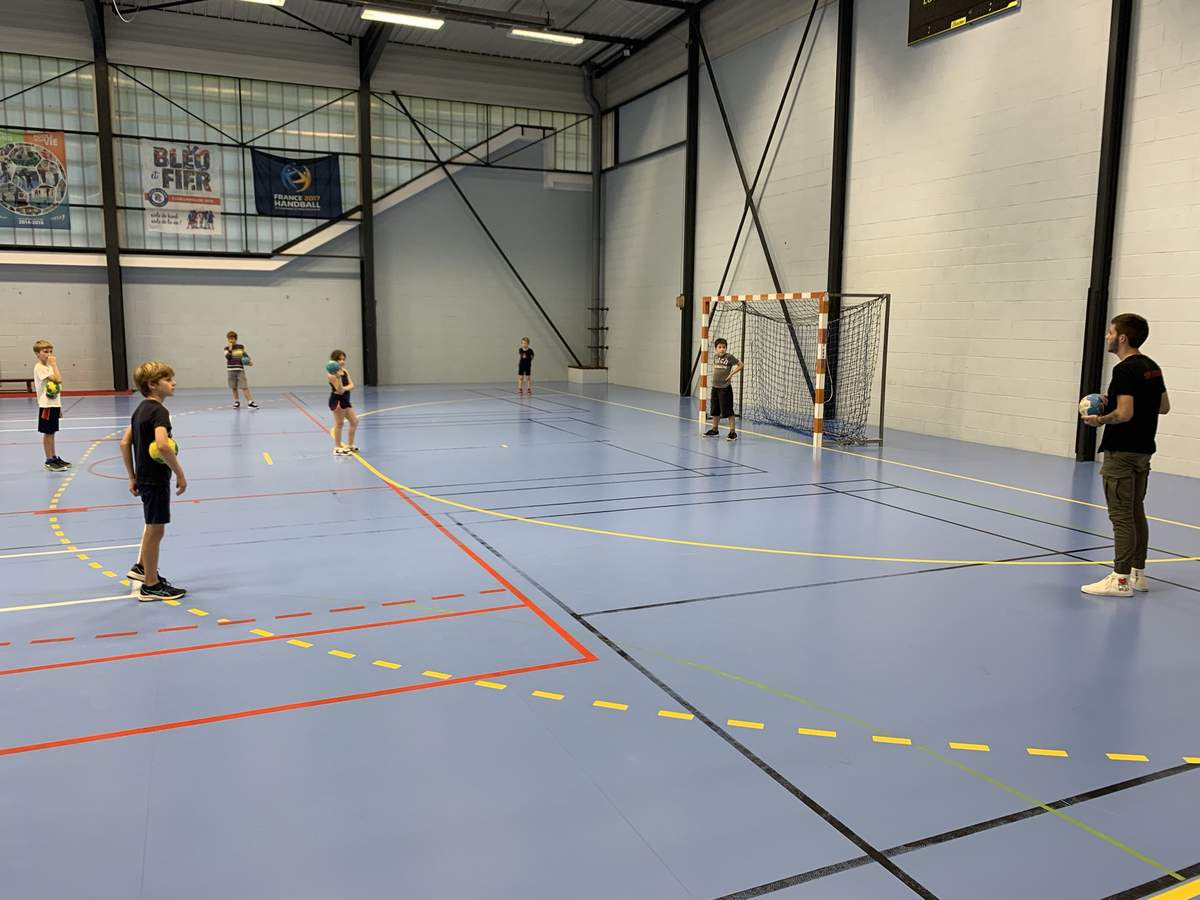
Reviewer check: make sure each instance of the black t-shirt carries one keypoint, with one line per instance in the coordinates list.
(526, 354)
(149, 415)
(1139, 377)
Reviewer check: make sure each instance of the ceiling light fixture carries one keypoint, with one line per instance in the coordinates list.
(267, 2)
(396, 18)
(551, 37)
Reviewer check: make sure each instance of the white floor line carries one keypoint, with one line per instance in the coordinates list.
(58, 552)
(65, 428)
(12, 609)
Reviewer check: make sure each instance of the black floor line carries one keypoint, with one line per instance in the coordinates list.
(666, 476)
(817, 584)
(600, 512)
(947, 836)
(733, 490)
(832, 820)
(430, 487)
(1153, 887)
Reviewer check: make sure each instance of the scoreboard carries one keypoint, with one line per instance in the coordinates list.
(929, 18)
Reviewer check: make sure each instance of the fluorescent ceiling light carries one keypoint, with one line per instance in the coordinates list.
(397, 18)
(266, 2)
(548, 36)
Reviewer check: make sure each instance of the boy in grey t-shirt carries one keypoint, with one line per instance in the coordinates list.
(724, 366)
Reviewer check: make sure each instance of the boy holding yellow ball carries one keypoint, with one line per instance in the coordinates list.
(48, 384)
(150, 456)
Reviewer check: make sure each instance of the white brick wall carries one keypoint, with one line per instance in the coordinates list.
(68, 307)
(289, 321)
(972, 200)
(1156, 258)
(643, 262)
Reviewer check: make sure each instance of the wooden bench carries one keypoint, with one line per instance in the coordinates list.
(28, 382)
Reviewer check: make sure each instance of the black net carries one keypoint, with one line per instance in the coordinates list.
(777, 342)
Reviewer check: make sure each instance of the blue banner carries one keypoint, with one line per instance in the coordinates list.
(299, 188)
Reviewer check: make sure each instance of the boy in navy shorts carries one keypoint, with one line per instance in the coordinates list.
(149, 478)
(47, 380)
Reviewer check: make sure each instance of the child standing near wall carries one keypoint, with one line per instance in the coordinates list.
(525, 367)
(48, 382)
(149, 478)
(236, 361)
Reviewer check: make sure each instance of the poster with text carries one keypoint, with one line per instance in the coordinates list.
(182, 187)
(33, 180)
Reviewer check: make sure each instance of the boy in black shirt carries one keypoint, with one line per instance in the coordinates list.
(1137, 396)
(724, 366)
(151, 479)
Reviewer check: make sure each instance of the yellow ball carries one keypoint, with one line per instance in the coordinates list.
(53, 388)
(156, 456)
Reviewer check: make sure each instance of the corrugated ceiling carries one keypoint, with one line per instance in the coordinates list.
(620, 18)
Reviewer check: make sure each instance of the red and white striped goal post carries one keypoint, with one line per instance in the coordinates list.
(822, 298)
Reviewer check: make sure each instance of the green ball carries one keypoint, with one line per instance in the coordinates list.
(53, 389)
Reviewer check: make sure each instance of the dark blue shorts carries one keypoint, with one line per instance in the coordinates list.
(48, 419)
(156, 502)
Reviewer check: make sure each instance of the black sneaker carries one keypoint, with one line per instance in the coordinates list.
(62, 461)
(252, 405)
(733, 435)
(164, 590)
(237, 405)
(712, 432)
(55, 465)
(137, 572)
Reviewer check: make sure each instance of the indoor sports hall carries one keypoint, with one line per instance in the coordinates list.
(551, 449)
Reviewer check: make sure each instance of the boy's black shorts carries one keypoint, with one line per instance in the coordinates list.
(156, 502)
(48, 419)
(720, 402)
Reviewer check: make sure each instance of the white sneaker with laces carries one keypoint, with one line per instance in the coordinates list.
(1137, 581)
(1113, 585)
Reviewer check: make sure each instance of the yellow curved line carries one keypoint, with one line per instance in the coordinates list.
(774, 551)
(879, 459)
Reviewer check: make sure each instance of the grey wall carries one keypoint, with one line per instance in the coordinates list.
(67, 306)
(449, 308)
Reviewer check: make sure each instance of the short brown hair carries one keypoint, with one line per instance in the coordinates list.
(39, 346)
(334, 354)
(721, 342)
(232, 334)
(1134, 327)
(150, 372)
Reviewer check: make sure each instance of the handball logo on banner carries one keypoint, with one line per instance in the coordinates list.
(33, 180)
(296, 178)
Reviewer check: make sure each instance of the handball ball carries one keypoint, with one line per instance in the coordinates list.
(1091, 405)
(332, 366)
(156, 456)
(53, 388)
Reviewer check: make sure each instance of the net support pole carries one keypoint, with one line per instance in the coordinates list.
(818, 424)
(705, 310)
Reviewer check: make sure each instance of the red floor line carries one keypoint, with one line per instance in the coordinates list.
(235, 621)
(5, 643)
(81, 509)
(448, 597)
(178, 628)
(346, 608)
(167, 651)
(495, 591)
(397, 602)
(525, 601)
(57, 640)
(293, 615)
(113, 634)
(285, 707)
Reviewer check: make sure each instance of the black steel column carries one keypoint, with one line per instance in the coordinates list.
(837, 206)
(370, 49)
(1096, 319)
(108, 192)
(597, 329)
(691, 167)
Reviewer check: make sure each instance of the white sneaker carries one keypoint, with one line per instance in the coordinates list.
(1137, 581)
(1112, 586)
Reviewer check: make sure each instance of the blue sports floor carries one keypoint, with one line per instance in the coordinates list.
(563, 647)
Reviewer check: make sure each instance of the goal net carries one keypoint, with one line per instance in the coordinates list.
(805, 370)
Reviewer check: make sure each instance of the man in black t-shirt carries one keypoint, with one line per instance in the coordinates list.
(1137, 396)
(150, 478)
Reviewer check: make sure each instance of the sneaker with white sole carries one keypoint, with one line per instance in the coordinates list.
(1113, 585)
(1137, 581)
(138, 573)
(164, 590)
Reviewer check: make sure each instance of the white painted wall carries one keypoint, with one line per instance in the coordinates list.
(643, 265)
(972, 200)
(1156, 259)
(449, 308)
(289, 321)
(66, 306)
